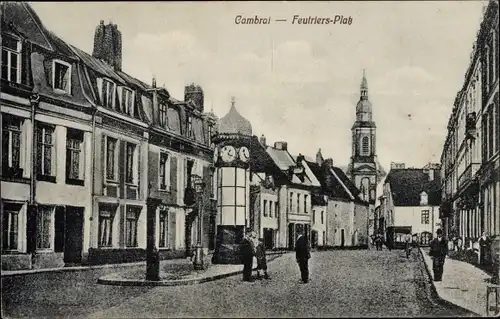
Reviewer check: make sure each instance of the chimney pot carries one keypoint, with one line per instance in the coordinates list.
(262, 140)
(329, 162)
(195, 93)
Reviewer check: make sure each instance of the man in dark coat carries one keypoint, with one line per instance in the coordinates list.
(302, 254)
(438, 252)
(247, 251)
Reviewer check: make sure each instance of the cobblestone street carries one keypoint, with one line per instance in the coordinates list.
(343, 283)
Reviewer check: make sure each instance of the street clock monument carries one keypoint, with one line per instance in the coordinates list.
(232, 162)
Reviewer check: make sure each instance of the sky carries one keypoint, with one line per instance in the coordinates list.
(299, 83)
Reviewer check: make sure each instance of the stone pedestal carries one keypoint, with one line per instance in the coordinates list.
(495, 258)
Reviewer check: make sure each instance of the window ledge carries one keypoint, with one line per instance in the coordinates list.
(44, 251)
(165, 190)
(61, 91)
(111, 182)
(165, 249)
(131, 184)
(77, 182)
(46, 178)
(107, 247)
(11, 252)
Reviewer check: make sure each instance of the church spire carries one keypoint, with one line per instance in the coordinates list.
(364, 86)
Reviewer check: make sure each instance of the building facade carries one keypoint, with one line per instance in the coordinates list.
(412, 197)
(470, 157)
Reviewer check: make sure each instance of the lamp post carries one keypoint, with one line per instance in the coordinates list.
(199, 187)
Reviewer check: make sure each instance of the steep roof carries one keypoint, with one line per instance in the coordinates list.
(330, 185)
(281, 157)
(408, 184)
(260, 161)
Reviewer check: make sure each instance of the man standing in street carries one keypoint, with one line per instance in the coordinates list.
(302, 254)
(438, 252)
(247, 250)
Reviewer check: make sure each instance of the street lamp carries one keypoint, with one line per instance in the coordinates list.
(199, 186)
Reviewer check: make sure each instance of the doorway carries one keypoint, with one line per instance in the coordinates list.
(268, 238)
(73, 235)
(314, 240)
(342, 238)
(291, 236)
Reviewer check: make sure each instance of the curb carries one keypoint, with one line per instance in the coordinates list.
(169, 283)
(11, 273)
(434, 290)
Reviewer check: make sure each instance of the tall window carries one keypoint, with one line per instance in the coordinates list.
(11, 59)
(74, 155)
(131, 163)
(163, 229)
(491, 62)
(322, 217)
(107, 93)
(164, 171)
(61, 76)
(314, 216)
(305, 204)
(45, 151)
(44, 227)
(189, 126)
(106, 215)
(291, 202)
(298, 203)
(11, 143)
(111, 168)
(425, 217)
(10, 230)
(365, 146)
(271, 207)
(276, 209)
(497, 133)
(264, 210)
(131, 226)
(163, 115)
(127, 101)
(491, 131)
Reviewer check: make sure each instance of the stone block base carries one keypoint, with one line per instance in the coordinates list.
(16, 261)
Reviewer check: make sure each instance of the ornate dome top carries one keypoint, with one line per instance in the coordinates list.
(234, 123)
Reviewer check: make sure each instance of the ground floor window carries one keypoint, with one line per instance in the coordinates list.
(44, 227)
(131, 222)
(106, 216)
(10, 229)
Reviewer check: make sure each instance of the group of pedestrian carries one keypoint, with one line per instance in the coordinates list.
(252, 246)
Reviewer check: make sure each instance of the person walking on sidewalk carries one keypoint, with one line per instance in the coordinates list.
(247, 250)
(302, 254)
(438, 252)
(260, 253)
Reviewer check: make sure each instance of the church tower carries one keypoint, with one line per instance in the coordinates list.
(364, 169)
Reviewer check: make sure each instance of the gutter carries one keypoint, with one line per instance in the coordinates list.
(34, 101)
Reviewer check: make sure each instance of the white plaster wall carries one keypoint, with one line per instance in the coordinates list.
(411, 216)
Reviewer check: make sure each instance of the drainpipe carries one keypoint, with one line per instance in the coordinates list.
(34, 101)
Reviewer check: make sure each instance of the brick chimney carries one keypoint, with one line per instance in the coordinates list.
(300, 158)
(319, 158)
(194, 93)
(329, 162)
(281, 145)
(395, 165)
(262, 140)
(108, 44)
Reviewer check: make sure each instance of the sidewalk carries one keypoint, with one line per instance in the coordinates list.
(463, 284)
(175, 261)
(177, 277)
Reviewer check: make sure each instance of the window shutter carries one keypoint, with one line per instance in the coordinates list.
(154, 169)
(59, 223)
(31, 228)
(172, 229)
(173, 173)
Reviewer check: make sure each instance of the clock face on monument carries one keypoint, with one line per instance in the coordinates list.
(228, 153)
(244, 154)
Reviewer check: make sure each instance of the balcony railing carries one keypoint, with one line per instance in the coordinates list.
(468, 174)
(470, 126)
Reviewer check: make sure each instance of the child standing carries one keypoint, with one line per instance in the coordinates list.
(261, 259)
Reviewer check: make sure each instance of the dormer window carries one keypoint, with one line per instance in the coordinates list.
(61, 76)
(126, 98)
(11, 59)
(423, 199)
(189, 126)
(163, 115)
(107, 92)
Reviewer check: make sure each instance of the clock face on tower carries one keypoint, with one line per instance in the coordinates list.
(228, 153)
(244, 154)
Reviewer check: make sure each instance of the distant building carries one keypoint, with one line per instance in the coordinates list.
(411, 197)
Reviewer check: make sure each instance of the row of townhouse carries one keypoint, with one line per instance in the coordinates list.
(85, 147)
(263, 188)
(470, 158)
